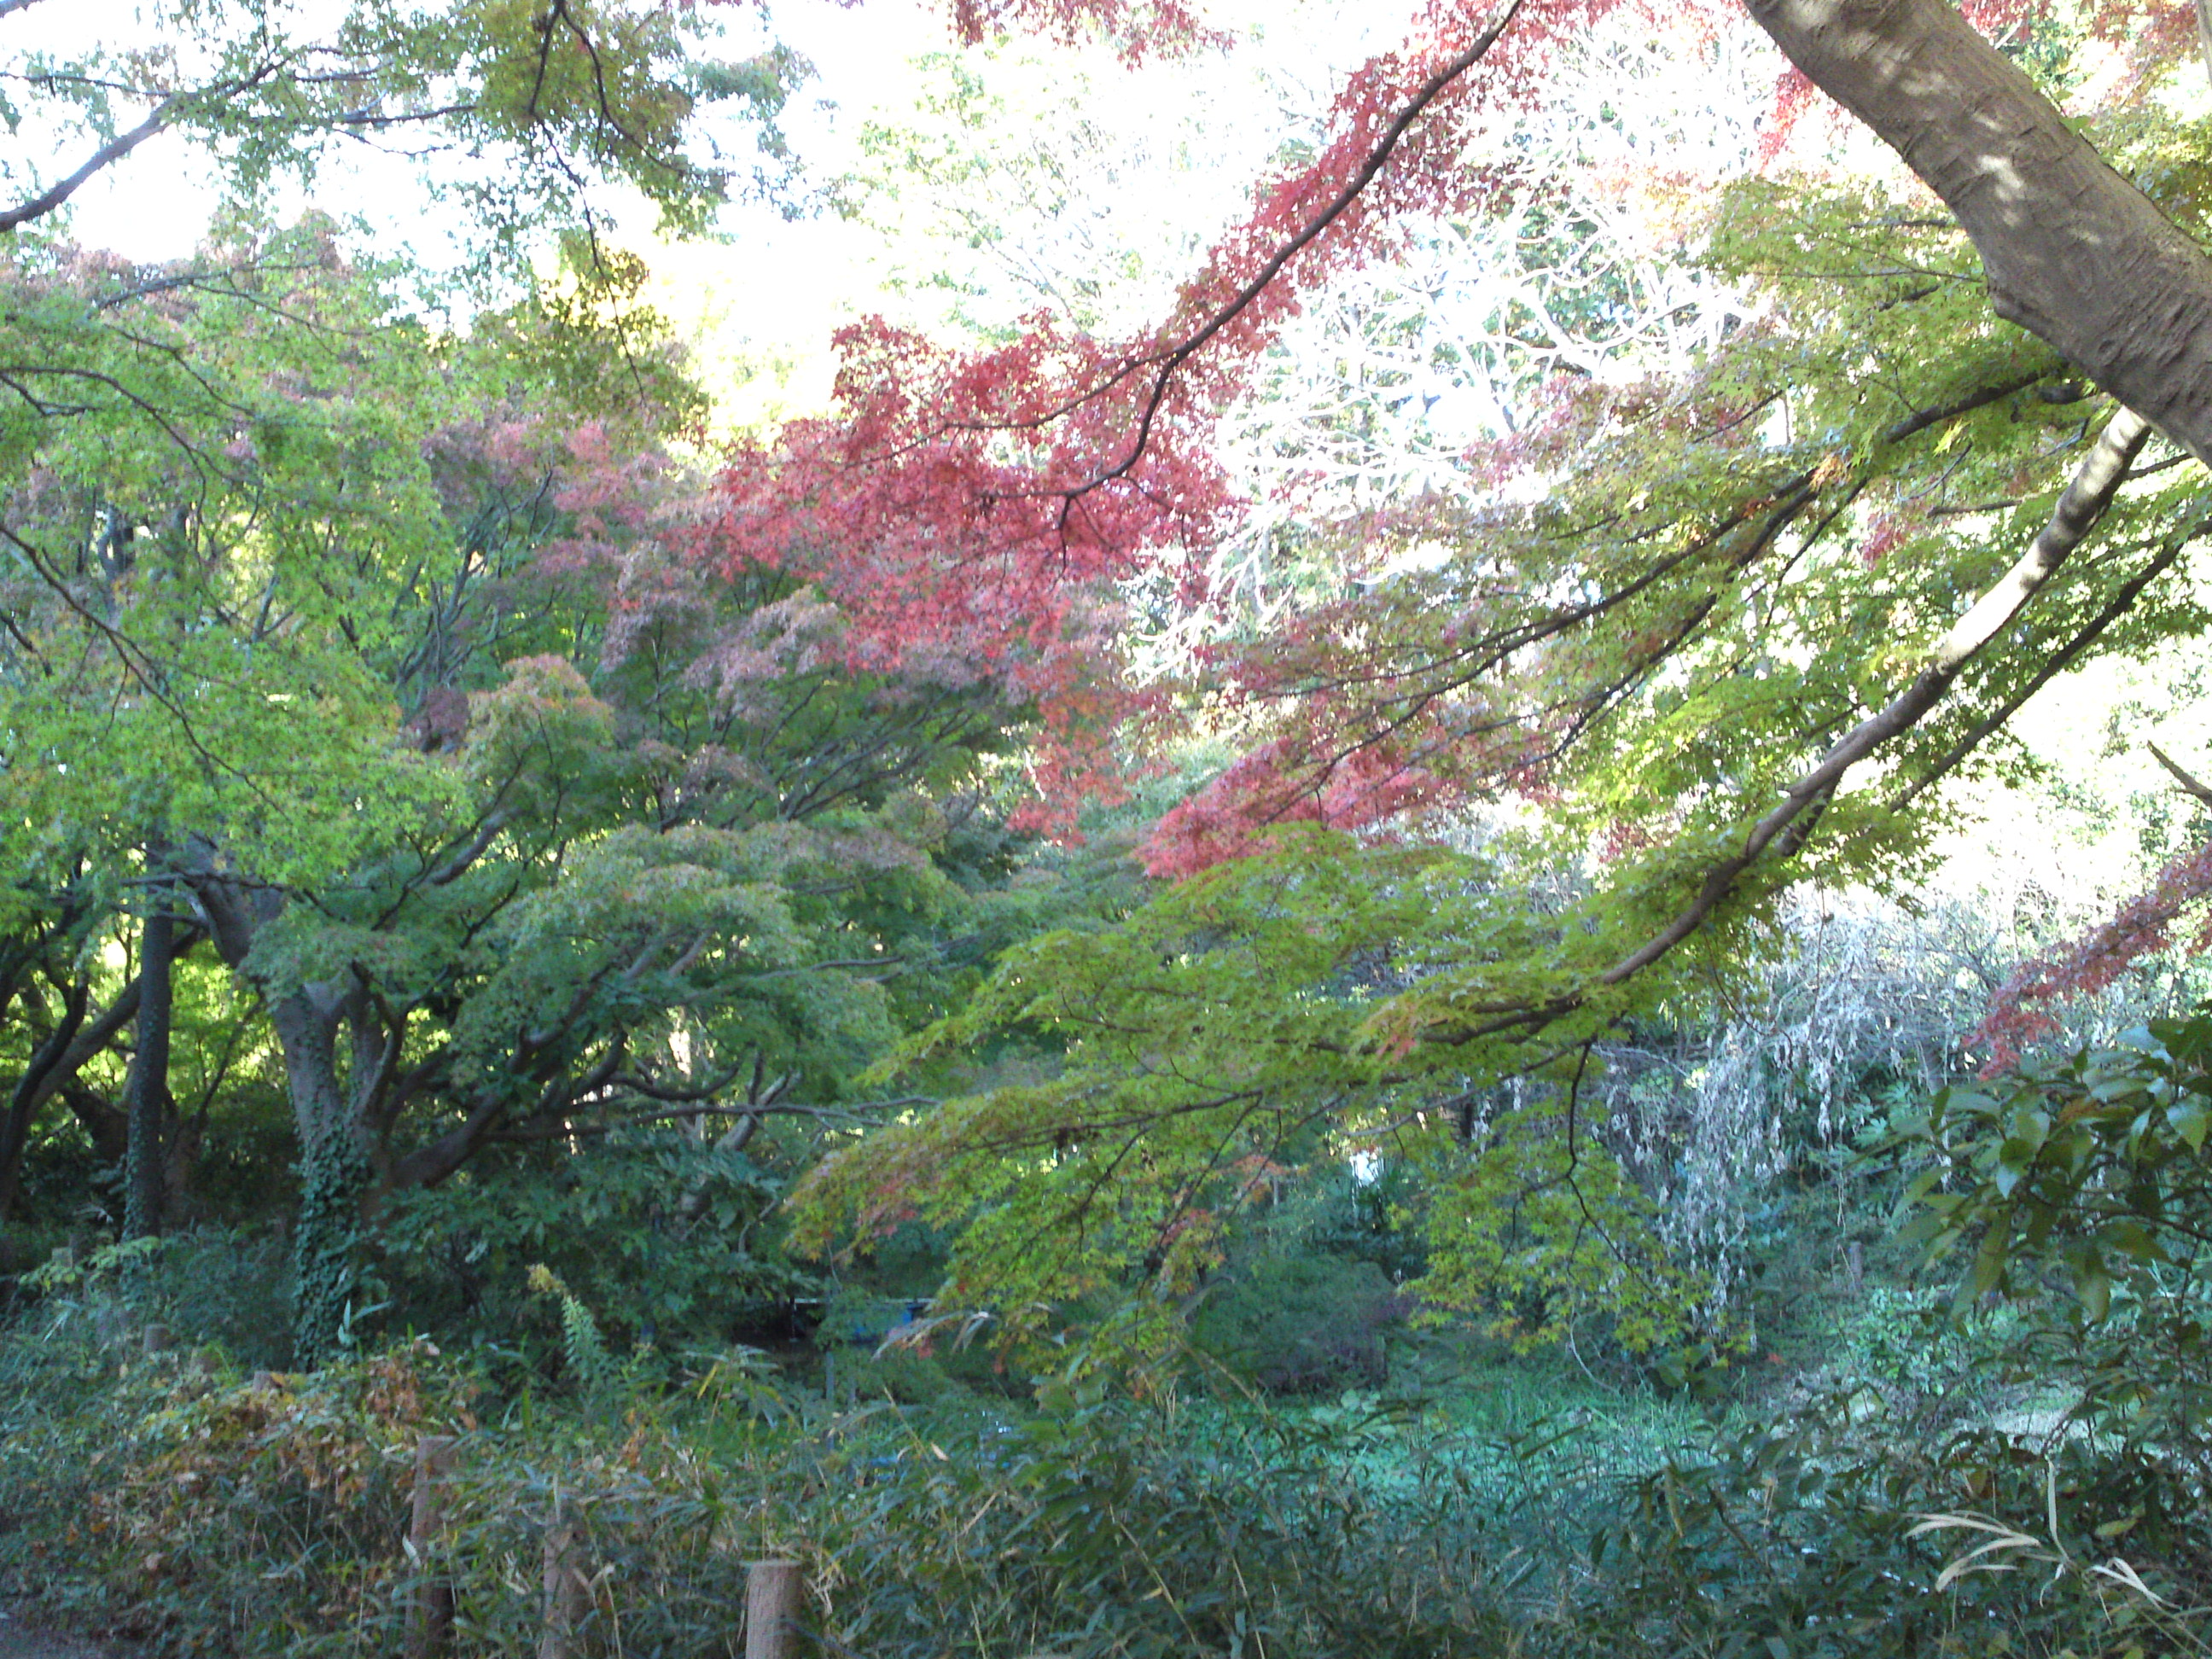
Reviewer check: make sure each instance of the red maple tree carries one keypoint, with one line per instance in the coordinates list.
(983, 506)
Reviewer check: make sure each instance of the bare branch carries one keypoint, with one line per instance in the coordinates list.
(105, 156)
(2201, 791)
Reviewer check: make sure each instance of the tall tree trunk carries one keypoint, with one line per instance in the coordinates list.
(145, 1164)
(2072, 252)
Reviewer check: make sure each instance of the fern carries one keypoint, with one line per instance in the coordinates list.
(583, 1349)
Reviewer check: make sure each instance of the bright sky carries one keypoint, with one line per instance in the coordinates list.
(155, 205)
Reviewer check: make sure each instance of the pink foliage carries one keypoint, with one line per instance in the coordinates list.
(977, 511)
(1279, 783)
(2144, 925)
(1891, 531)
(1162, 27)
(981, 506)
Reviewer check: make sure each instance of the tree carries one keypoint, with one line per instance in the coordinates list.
(518, 830)
(522, 118)
(230, 553)
(58, 1014)
(2071, 251)
(1687, 615)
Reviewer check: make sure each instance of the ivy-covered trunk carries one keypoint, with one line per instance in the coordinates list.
(336, 1170)
(336, 1165)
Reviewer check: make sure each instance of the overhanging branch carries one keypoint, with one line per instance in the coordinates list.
(2080, 505)
(2083, 504)
(105, 156)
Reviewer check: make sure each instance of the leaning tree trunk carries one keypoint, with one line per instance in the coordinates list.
(2072, 252)
(32, 1088)
(52, 1067)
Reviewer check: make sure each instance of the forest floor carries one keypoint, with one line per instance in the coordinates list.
(22, 1639)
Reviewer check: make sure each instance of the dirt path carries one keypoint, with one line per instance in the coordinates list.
(22, 1640)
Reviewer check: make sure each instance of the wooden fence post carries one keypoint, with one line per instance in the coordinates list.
(773, 1593)
(566, 1586)
(430, 1620)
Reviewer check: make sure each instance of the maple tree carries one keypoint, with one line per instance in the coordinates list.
(410, 703)
(670, 814)
(365, 657)
(1732, 628)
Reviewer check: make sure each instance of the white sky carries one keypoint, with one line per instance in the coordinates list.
(155, 204)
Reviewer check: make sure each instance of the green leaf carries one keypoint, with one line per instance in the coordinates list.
(2191, 1120)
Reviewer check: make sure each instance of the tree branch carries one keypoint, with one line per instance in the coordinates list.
(2201, 791)
(105, 156)
(856, 1114)
(2056, 664)
(2083, 502)
(2080, 506)
(2071, 251)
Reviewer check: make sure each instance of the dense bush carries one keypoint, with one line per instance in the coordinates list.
(663, 1236)
(263, 1515)
(1299, 1323)
(1828, 1531)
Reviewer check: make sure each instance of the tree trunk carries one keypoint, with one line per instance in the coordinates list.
(335, 1174)
(145, 1162)
(30, 1092)
(52, 1066)
(99, 1119)
(2072, 252)
(181, 1143)
(336, 1168)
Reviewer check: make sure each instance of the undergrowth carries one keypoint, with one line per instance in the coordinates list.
(208, 1510)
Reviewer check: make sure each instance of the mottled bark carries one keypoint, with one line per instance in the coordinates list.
(2072, 252)
(145, 1160)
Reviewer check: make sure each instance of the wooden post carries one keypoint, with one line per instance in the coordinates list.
(157, 1340)
(566, 1585)
(773, 1593)
(430, 1620)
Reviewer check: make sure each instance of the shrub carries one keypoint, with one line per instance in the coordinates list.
(661, 1237)
(1298, 1323)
